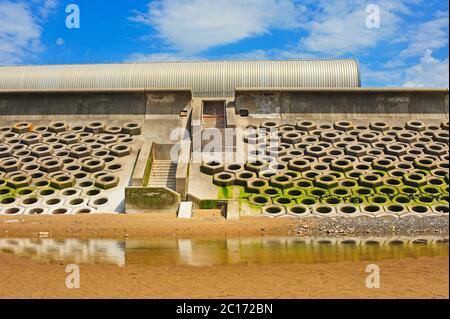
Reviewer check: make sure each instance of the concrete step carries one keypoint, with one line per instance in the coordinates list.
(163, 174)
(169, 186)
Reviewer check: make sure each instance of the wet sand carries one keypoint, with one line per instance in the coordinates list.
(424, 277)
(212, 224)
(20, 277)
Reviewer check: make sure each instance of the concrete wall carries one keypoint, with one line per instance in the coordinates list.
(165, 103)
(72, 104)
(350, 103)
(93, 104)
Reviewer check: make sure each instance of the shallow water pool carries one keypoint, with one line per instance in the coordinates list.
(208, 252)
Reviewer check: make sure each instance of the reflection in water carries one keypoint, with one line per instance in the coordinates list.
(195, 252)
(90, 251)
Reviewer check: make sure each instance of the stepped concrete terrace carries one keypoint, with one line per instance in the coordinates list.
(283, 151)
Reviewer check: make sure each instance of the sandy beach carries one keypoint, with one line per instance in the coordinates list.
(425, 277)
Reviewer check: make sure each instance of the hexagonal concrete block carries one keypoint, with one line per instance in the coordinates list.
(414, 179)
(107, 139)
(58, 127)
(51, 165)
(243, 177)
(60, 210)
(370, 180)
(341, 165)
(234, 167)
(367, 137)
(30, 138)
(62, 181)
(96, 127)
(273, 210)
(25, 191)
(120, 150)
(53, 201)
(372, 210)
(383, 164)
(323, 210)
(92, 164)
(76, 201)
(79, 151)
(256, 165)
(255, 185)
(396, 210)
(10, 164)
(379, 126)
(21, 127)
(306, 125)
(82, 210)
(395, 149)
(41, 150)
(212, 167)
(69, 138)
(281, 181)
(224, 179)
(107, 181)
(98, 202)
(254, 138)
(440, 209)
(291, 137)
(347, 210)
(5, 150)
(12, 210)
(36, 210)
(315, 150)
(330, 136)
(356, 149)
(30, 201)
(325, 181)
(298, 211)
(132, 128)
(299, 165)
(19, 180)
(415, 125)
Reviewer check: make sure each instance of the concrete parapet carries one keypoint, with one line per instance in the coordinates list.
(151, 200)
(143, 165)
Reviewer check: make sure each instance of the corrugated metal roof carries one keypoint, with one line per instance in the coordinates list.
(209, 78)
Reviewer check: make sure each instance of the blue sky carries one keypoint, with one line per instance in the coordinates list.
(408, 47)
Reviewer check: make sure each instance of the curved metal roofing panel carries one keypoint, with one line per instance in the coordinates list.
(203, 77)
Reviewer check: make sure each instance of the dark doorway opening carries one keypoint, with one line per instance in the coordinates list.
(213, 114)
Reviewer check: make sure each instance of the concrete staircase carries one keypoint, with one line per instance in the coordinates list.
(163, 174)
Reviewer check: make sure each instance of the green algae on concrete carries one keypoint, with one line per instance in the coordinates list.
(225, 192)
(148, 168)
(151, 199)
(208, 204)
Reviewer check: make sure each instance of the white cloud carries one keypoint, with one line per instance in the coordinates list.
(159, 57)
(339, 27)
(47, 7)
(252, 55)
(193, 26)
(60, 42)
(432, 34)
(430, 72)
(21, 29)
(19, 32)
